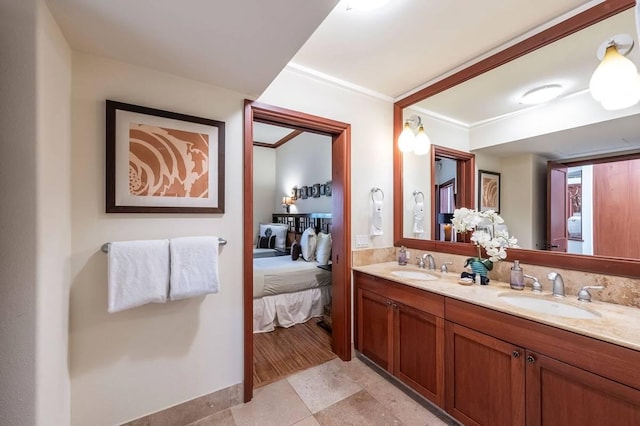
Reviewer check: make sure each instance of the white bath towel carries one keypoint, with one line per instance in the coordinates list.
(138, 273)
(418, 218)
(194, 267)
(376, 218)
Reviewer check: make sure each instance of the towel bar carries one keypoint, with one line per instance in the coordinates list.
(105, 246)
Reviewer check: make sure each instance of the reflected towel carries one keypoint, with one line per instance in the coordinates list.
(138, 273)
(194, 267)
(376, 218)
(418, 218)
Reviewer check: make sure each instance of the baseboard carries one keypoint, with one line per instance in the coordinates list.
(195, 409)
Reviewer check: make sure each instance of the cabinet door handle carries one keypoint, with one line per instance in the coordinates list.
(388, 302)
(515, 354)
(531, 359)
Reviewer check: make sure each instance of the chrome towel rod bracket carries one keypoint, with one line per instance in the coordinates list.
(105, 246)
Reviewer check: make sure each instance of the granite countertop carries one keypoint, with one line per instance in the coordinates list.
(617, 324)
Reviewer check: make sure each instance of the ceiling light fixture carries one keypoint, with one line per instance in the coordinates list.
(541, 94)
(408, 141)
(365, 4)
(616, 83)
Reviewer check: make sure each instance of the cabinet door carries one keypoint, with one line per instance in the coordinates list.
(419, 351)
(375, 327)
(484, 378)
(560, 394)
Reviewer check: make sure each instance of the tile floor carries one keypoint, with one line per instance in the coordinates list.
(333, 393)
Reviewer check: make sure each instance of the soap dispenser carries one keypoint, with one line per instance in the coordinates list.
(517, 276)
(402, 256)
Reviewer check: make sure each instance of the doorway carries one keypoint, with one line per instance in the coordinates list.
(340, 134)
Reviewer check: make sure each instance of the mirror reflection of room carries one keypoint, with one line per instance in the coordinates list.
(517, 140)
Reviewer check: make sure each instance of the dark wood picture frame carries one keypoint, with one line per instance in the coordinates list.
(488, 191)
(173, 143)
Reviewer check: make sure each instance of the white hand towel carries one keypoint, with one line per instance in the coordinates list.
(418, 218)
(138, 273)
(194, 267)
(376, 218)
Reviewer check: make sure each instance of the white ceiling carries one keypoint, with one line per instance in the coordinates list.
(394, 49)
(243, 44)
(237, 44)
(269, 134)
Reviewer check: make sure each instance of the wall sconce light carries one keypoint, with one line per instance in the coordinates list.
(616, 83)
(287, 202)
(408, 141)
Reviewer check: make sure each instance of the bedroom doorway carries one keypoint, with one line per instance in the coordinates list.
(340, 308)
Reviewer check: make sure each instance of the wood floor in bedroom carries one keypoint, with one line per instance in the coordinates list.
(285, 351)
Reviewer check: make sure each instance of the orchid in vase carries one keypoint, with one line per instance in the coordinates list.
(486, 234)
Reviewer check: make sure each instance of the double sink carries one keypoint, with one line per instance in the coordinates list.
(542, 304)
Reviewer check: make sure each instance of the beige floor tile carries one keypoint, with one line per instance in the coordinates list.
(323, 385)
(223, 418)
(309, 421)
(358, 409)
(402, 406)
(359, 372)
(275, 404)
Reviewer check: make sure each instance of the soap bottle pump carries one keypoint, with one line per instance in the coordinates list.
(517, 276)
(402, 256)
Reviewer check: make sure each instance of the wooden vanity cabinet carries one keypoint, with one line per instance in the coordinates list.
(505, 370)
(485, 378)
(401, 329)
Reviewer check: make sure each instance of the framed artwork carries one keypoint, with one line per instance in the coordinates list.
(162, 162)
(327, 189)
(303, 192)
(322, 189)
(488, 191)
(315, 190)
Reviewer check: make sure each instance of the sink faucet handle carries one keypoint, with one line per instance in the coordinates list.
(536, 287)
(443, 267)
(584, 295)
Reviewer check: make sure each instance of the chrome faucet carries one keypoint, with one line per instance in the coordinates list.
(443, 267)
(584, 295)
(536, 287)
(558, 284)
(432, 262)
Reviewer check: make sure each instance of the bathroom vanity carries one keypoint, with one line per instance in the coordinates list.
(485, 361)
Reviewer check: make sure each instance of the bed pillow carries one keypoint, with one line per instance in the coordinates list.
(267, 242)
(308, 244)
(296, 250)
(323, 248)
(277, 229)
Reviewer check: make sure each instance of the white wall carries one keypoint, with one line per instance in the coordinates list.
(18, 215)
(371, 122)
(142, 360)
(264, 185)
(303, 161)
(54, 220)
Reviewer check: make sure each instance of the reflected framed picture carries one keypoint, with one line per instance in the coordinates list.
(315, 190)
(327, 189)
(162, 162)
(303, 192)
(488, 191)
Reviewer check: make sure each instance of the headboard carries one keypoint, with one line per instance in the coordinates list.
(298, 222)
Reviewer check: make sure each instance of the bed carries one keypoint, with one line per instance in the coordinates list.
(286, 291)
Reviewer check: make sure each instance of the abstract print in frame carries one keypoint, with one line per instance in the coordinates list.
(488, 191)
(163, 162)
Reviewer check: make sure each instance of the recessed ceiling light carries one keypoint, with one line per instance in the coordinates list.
(365, 4)
(542, 94)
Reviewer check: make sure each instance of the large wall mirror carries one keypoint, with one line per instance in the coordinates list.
(476, 112)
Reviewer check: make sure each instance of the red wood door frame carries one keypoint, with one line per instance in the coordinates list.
(340, 228)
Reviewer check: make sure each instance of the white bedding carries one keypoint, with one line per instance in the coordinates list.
(287, 292)
(280, 274)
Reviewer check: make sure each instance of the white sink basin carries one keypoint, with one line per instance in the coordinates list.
(414, 275)
(548, 306)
